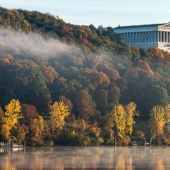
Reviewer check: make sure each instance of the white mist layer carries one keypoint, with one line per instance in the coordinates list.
(33, 43)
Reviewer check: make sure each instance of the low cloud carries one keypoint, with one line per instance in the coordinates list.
(35, 44)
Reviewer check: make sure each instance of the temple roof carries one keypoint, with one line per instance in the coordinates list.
(137, 26)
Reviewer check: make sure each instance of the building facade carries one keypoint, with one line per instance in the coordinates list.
(146, 36)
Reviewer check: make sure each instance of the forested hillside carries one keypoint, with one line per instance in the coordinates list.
(74, 84)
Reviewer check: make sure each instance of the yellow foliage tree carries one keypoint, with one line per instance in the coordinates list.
(167, 119)
(37, 127)
(157, 120)
(119, 116)
(130, 113)
(58, 111)
(13, 113)
(5, 131)
(123, 117)
(11, 117)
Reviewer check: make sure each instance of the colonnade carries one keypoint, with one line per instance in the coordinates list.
(146, 36)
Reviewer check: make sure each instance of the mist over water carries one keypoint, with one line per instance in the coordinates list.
(118, 158)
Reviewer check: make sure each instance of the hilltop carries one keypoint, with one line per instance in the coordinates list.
(92, 70)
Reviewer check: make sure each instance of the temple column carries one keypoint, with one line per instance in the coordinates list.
(125, 37)
(163, 36)
(150, 36)
(138, 37)
(140, 33)
(131, 39)
(129, 36)
(141, 40)
(156, 36)
(145, 35)
(166, 36)
(160, 36)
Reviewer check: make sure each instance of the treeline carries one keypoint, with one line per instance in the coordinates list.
(22, 123)
(92, 70)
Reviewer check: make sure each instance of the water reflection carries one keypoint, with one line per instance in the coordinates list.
(60, 158)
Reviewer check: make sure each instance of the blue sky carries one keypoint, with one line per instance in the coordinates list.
(99, 12)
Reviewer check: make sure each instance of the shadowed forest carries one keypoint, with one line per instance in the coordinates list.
(64, 84)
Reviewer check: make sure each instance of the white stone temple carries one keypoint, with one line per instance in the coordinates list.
(146, 36)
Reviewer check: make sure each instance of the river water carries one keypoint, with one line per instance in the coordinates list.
(97, 157)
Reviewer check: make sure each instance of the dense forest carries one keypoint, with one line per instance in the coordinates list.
(64, 84)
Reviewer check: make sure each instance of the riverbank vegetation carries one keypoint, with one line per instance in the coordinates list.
(64, 84)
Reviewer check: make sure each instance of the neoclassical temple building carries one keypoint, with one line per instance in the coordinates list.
(146, 36)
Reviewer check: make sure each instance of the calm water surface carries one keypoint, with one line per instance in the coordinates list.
(60, 158)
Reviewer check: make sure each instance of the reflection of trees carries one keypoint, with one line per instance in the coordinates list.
(160, 163)
(124, 158)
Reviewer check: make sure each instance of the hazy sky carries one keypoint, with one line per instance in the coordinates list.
(99, 12)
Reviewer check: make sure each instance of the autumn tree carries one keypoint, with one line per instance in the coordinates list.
(11, 118)
(29, 112)
(119, 117)
(84, 106)
(130, 113)
(58, 112)
(123, 118)
(157, 120)
(20, 132)
(66, 102)
(36, 135)
(167, 118)
(1, 115)
(156, 53)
